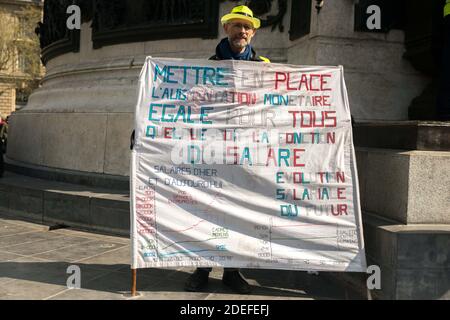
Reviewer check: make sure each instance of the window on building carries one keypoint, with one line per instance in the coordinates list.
(300, 19)
(24, 65)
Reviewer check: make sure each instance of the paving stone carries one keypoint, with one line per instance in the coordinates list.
(112, 260)
(28, 290)
(80, 251)
(157, 273)
(218, 296)
(8, 256)
(171, 296)
(12, 220)
(119, 283)
(86, 294)
(34, 269)
(23, 238)
(92, 235)
(10, 270)
(10, 229)
(104, 262)
(44, 246)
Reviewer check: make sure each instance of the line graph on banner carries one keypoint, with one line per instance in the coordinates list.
(303, 237)
(190, 241)
(171, 246)
(182, 241)
(277, 242)
(280, 240)
(174, 238)
(288, 242)
(207, 210)
(216, 196)
(185, 229)
(184, 247)
(193, 250)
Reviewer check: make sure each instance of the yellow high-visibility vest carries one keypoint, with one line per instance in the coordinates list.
(447, 8)
(266, 60)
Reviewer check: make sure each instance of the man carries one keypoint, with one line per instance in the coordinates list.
(240, 27)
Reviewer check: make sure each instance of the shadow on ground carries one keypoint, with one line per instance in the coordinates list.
(47, 280)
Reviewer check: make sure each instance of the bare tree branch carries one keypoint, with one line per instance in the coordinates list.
(9, 29)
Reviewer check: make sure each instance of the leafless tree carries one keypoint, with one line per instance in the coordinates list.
(19, 45)
(9, 30)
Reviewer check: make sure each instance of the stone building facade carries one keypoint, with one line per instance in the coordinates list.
(7, 97)
(14, 76)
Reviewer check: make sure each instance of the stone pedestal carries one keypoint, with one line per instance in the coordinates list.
(380, 82)
(414, 259)
(81, 118)
(405, 188)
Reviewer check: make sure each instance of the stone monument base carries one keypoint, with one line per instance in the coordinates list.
(413, 259)
(404, 180)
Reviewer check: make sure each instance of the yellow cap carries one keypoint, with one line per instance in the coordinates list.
(244, 13)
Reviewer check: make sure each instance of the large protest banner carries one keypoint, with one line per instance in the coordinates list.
(244, 164)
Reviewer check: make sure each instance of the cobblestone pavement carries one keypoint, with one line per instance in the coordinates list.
(34, 262)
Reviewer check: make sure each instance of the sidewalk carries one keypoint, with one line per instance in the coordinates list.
(34, 260)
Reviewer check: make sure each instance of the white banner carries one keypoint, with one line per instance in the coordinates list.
(244, 164)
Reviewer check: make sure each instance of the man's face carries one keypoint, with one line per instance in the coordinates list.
(240, 33)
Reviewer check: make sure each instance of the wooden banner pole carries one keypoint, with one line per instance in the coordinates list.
(133, 282)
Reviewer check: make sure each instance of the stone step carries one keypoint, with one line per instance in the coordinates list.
(408, 186)
(100, 180)
(403, 135)
(414, 260)
(78, 206)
